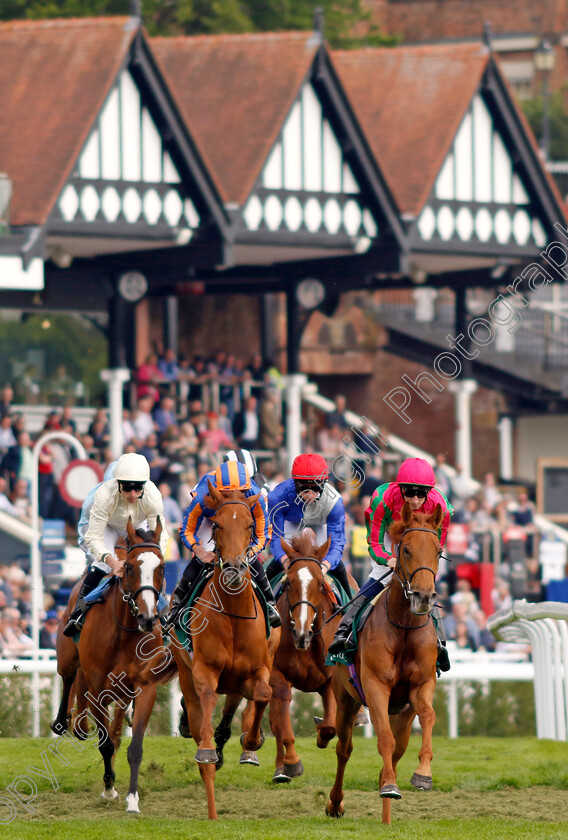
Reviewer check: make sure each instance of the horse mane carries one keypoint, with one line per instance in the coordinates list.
(397, 528)
(303, 544)
(147, 536)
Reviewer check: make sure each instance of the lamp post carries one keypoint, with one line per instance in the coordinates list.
(544, 62)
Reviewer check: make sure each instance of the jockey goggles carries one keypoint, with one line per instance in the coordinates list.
(303, 484)
(127, 486)
(411, 490)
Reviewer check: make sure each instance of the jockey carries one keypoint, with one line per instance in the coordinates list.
(307, 500)
(414, 484)
(243, 456)
(196, 534)
(129, 493)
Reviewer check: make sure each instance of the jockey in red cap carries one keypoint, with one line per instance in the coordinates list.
(414, 484)
(308, 500)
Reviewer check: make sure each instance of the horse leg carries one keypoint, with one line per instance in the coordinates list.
(143, 706)
(257, 689)
(326, 729)
(205, 682)
(347, 708)
(196, 718)
(80, 687)
(378, 697)
(421, 701)
(288, 763)
(249, 757)
(61, 722)
(106, 749)
(223, 730)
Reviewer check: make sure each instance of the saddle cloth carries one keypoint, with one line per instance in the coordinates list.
(346, 657)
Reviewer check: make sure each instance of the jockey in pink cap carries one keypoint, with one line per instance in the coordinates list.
(414, 484)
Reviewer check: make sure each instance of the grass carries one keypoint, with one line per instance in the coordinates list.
(484, 788)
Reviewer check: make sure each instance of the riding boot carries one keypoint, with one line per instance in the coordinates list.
(262, 582)
(182, 592)
(343, 632)
(340, 575)
(443, 659)
(273, 569)
(75, 621)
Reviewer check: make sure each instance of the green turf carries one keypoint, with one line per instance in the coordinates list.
(483, 788)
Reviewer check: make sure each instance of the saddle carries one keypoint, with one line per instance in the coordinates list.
(347, 656)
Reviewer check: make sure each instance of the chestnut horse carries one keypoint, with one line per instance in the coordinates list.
(117, 639)
(395, 663)
(306, 606)
(231, 653)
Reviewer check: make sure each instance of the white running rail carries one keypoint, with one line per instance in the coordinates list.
(545, 627)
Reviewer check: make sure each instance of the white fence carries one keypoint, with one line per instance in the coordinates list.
(545, 627)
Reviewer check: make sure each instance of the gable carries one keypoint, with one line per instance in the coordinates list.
(124, 175)
(306, 183)
(480, 197)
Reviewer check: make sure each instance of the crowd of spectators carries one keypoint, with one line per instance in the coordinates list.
(172, 423)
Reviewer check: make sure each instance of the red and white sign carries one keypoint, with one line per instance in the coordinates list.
(79, 477)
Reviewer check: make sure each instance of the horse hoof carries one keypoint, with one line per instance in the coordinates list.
(111, 794)
(57, 727)
(132, 800)
(390, 792)
(294, 770)
(262, 739)
(362, 719)
(206, 757)
(421, 782)
(220, 759)
(332, 811)
(249, 757)
(280, 777)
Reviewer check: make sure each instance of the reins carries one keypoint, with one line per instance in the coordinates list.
(219, 562)
(406, 580)
(129, 597)
(293, 606)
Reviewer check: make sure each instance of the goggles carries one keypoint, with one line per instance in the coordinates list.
(411, 490)
(303, 485)
(127, 486)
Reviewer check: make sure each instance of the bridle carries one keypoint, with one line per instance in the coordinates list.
(130, 597)
(406, 579)
(293, 606)
(219, 560)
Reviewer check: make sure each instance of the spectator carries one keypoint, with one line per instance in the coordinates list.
(158, 463)
(5, 504)
(461, 490)
(198, 376)
(225, 422)
(246, 425)
(443, 480)
(197, 416)
(337, 416)
(148, 377)
(172, 511)
(48, 632)
(7, 437)
(128, 430)
(168, 365)
(20, 498)
(490, 496)
(99, 429)
(501, 595)
(487, 640)
(212, 435)
(165, 415)
(16, 642)
(462, 636)
(6, 398)
(460, 612)
(270, 427)
(143, 421)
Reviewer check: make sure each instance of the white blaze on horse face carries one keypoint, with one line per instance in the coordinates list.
(305, 576)
(148, 565)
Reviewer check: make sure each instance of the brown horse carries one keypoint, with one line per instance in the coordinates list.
(230, 650)
(117, 639)
(395, 663)
(306, 604)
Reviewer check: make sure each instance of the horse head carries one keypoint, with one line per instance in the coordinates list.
(306, 588)
(417, 549)
(144, 573)
(233, 528)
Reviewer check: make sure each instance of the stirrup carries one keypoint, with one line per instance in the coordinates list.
(74, 624)
(273, 616)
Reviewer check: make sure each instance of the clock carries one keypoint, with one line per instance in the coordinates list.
(132, 286)
(310, 293)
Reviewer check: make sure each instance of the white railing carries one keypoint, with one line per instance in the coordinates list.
(545, 627)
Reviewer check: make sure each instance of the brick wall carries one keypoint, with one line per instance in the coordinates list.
(433, 20)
